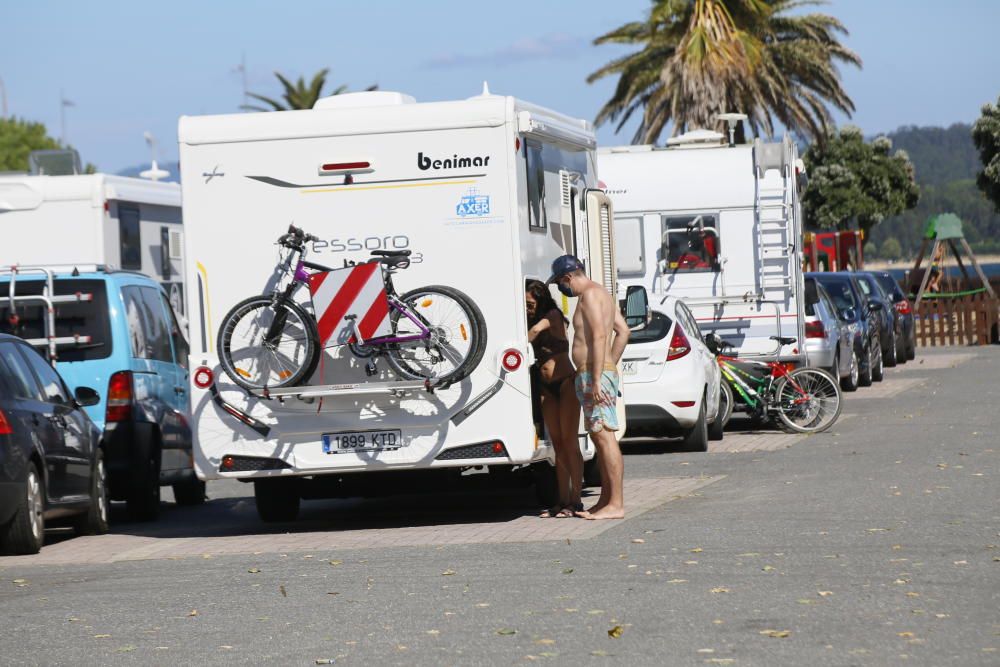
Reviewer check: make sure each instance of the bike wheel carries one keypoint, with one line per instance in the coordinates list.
(457, 335)
(254, 356)
(808, 400)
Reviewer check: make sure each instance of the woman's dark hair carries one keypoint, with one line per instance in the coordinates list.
(543, 298)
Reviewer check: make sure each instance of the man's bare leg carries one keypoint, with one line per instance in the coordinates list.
(611, 504)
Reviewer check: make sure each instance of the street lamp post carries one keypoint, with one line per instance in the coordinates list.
(3, 98)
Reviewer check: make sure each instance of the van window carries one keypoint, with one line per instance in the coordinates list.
(629, 247)
(128, 233)
(181, 348)
(83, 318)
(536, 186)
(690, 243)
(148, 331)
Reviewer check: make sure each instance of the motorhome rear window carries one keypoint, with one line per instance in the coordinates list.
(84, 318)
(128, 230)
(536, 186)
(690, 243)
(629, 253)
(657, 329)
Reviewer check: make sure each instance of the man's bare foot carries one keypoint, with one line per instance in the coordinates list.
(603, 513)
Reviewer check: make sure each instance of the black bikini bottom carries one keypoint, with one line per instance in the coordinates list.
(555, 386)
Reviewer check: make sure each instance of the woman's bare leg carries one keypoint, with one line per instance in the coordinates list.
(553, 425)
(569, 421)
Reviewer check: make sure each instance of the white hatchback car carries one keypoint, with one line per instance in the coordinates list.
(672, 381)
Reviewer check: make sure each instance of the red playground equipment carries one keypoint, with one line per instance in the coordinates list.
(833, 251)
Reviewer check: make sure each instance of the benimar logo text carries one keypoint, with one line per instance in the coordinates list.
(453, 162)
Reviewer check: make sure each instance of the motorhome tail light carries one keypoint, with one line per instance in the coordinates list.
(815, 330)
(903, 307)
(5, 428)
(517, 144)
(679, 344)
(512, 360)
(119, 406)
(203, 377)
(336, 168)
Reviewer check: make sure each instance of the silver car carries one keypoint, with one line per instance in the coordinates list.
(828, 340)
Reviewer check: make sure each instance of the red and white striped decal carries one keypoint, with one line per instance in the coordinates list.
(357, 290)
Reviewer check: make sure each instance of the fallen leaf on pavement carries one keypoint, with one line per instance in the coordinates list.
(638, 540)
(193, 612)
(545, 641)
(776, 633)
(506, 631)
(905, 635)
(825, 593)
(20, 581)
(324, 661)
(912, 594)
(254, 570)
(616, 632)
(720, 590)
(284, 593)
(568, 570)
(677, 581)
(878, 530)
(448, 573)
(335, 562)
(101, 636)
(433, 632)
(767, 568)
(696, 550)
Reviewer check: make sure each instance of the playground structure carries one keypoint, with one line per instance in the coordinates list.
(951, 311)
(833, 251)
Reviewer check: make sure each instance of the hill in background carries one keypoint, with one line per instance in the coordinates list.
(946, 162)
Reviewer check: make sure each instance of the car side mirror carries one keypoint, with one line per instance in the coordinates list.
(874, 306)
(636, 310)
(714, 343)
(85, 396)
(848, 315)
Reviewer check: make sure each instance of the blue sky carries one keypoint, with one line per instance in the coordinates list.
(135, 66)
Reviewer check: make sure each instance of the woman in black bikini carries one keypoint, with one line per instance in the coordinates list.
(560, 407)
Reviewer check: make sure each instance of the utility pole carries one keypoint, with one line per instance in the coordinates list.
(63, 103)
(242, 69)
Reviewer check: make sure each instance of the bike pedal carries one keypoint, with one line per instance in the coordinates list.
(371, 369)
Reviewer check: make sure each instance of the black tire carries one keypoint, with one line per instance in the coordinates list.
(911, 347)
(834, 369)
(400, 357)
(95, 520)
(696, 439)
(278, 499)
(822, 407)
(901, 357)
(143, 500)
(878, 365)
(718, 425)
(189, 492)
(546, 484)
(852, 381)
(298, 367)
(889, 354)
(865, 376)
(25, 533)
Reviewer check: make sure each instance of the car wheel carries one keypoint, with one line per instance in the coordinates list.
(696, 440)
(95, 520)
(889, 355)
(143, 500)
(834, 369)
(878, 366)
(901, 357)
(25, 533)
(850, 383)
(715, 430)
(865, 375)
(189, 492)
(277, 499)
(911, 349)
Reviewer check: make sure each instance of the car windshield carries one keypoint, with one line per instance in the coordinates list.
(83, 318)
(840, 291)
(889, 285)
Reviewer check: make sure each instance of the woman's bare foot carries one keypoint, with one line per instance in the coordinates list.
(605, 512)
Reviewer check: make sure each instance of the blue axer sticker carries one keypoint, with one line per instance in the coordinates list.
(473, 204)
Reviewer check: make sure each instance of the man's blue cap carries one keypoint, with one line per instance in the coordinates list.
(563, 265)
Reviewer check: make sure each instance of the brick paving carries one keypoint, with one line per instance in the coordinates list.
(641, 495)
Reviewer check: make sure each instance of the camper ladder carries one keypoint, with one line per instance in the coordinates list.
(49, 300)
(774, 232)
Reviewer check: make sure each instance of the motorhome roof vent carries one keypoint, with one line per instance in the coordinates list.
(368, 98)
(697, 138)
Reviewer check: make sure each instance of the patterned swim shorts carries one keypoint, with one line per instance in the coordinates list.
(598, 417)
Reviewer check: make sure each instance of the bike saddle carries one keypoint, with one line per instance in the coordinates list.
(394, 261)
(784, 340)
(392, 253)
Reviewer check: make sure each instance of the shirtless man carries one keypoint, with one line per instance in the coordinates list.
(595, 354)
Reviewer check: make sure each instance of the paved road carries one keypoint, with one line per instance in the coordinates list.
(874, 544)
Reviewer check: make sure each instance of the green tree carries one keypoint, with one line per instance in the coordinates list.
(699, 58)
(854, 182)
(986, 135)
(18, 137)
(870, 250)
(297, 95)
(891, 249)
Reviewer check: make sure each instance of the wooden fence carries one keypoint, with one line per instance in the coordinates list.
(960, 320)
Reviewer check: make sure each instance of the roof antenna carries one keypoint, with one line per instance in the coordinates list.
(731, 119)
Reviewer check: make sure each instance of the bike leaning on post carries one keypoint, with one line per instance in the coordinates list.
(437, 334)
(806, 400)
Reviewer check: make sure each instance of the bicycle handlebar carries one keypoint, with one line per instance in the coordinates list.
(295, 237)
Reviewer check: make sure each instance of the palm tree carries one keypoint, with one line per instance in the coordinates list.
(700, 58)
(298, 95)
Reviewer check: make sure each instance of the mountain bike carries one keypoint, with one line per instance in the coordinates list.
(436, 333)
(806, 400)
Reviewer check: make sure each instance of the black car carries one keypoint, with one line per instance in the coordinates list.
(853, 310)
(908, 341)
(51, 465)
(890, 323)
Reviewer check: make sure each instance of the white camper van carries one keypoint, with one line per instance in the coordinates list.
(719, 226)
(88, 219)
(483, 193)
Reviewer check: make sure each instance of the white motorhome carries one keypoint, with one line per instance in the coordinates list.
(88, 219)
(719, 226)
(485, 192)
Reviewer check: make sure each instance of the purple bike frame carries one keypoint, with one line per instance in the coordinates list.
(301, 276)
